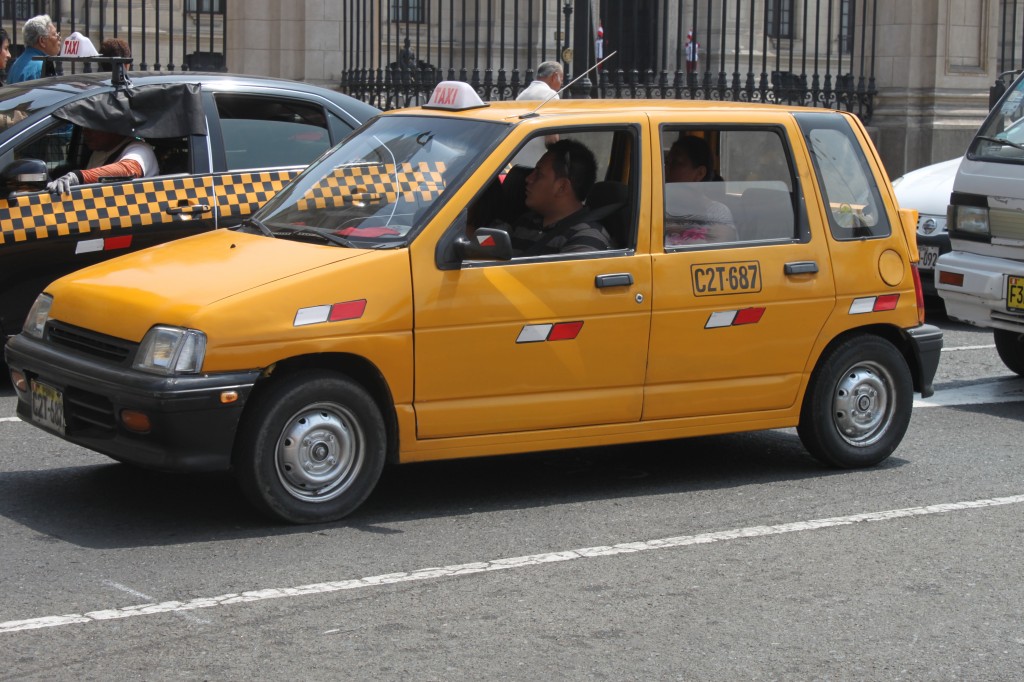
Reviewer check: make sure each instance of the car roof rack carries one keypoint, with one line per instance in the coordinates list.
(118, 72)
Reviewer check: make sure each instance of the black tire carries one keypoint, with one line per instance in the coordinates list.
(310, 448)
(858, 403)
(1010, 346)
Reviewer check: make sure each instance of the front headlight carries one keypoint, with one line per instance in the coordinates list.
(971, 220)
(38, 315)
(171, 350)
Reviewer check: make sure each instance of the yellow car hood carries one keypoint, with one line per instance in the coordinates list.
(167, 284)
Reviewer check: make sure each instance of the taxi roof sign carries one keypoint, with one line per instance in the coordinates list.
(454, 96)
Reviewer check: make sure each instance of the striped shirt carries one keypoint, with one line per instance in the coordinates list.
(572, 234)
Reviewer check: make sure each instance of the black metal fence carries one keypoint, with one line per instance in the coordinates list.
(164, 35)
(812, 52)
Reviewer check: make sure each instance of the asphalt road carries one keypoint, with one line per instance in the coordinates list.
(724, 558)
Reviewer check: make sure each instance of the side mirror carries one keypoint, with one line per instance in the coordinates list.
(25, 175)
(486, 243)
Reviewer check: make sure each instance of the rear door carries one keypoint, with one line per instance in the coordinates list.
(738, 300)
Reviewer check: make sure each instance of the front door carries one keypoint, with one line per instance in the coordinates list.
(538, 342)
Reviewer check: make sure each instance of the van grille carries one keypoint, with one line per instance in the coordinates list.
(100, 346)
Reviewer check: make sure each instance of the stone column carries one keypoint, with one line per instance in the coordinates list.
(296, 40)
(935, 61)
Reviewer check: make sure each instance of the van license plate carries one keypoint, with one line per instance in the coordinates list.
(47, 406)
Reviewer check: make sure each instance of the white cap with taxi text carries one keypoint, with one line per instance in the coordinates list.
(77, 45)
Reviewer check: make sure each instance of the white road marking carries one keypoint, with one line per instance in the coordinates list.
(527, 561)
(956, 348)
(1002, 391)
(10, 419)
(140, 595)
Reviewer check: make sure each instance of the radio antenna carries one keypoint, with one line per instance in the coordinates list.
(566, 86)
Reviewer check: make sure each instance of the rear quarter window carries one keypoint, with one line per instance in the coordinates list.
(852, 201)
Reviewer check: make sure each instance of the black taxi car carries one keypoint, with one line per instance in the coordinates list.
(225, 144)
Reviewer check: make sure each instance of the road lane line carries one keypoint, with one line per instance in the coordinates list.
(526, 561)
(10, 419)
(140, 595)
(1003, 391)
(953, 349)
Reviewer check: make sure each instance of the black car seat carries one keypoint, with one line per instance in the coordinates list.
(513, 189)
(608, 204)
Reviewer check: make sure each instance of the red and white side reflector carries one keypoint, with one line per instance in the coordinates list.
(874, 304)
(562, 331)
(734, 318)
(349, 310)
(103, 244)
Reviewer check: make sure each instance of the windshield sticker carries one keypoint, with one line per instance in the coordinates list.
(376, 184)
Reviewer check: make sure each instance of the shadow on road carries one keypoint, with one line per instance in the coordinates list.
(118, 506)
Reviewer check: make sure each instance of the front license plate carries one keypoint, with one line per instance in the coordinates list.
(48, 406)
(1015, 293)
(929, 256)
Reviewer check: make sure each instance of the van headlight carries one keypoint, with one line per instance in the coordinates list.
(971, 220)
(171, 350)
(38, 315)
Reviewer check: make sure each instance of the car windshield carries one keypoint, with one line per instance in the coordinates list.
(378, 187)
(1001, 138)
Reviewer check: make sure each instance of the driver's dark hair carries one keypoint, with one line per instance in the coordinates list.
(582, 169)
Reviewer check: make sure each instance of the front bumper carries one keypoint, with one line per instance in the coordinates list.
(191, 429)
(981, 300)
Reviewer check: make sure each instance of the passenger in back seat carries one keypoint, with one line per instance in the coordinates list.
(691, 217)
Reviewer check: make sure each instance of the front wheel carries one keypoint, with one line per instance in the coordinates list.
(1010, 346)
(310, 448)
(858, 403)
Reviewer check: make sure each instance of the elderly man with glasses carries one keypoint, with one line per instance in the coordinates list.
(41, 38)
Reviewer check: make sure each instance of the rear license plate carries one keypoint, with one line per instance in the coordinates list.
(1015, 293)
(47, 406)
(929, 256)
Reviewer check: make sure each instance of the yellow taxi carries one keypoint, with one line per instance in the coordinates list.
(469, 279)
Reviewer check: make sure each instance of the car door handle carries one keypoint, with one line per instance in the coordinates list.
(801, 267)
(190, 209)
(619, 279)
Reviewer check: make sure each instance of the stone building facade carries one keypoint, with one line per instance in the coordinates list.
(934, 62)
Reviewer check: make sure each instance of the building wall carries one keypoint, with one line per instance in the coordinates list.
(935, 62)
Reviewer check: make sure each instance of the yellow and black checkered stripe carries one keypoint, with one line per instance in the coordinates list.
(376, 184)
(243, 193)
(100, 208)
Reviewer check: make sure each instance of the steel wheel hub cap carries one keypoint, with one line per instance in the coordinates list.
(863, 404)
(319, 452)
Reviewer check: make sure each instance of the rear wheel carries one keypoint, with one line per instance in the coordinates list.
(857, 406)
(311, 448)
(1010, 346)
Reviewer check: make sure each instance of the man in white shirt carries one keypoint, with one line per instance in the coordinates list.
(547, 83)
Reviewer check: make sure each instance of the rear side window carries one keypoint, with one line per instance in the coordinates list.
(854, 205)
(267, 132)
(727, 187)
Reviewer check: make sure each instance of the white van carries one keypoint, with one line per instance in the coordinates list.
(981, 280)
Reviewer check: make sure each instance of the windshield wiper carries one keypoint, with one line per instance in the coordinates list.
(1015, 145)
(326, 235)
(253, 222)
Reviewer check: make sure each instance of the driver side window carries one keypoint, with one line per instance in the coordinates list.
(60, 147)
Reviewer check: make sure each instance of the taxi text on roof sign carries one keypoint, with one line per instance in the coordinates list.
(454, 96)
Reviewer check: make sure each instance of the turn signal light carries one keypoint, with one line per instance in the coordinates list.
(953, 279)
(136, 421)
(19, 381)
(228, 397)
